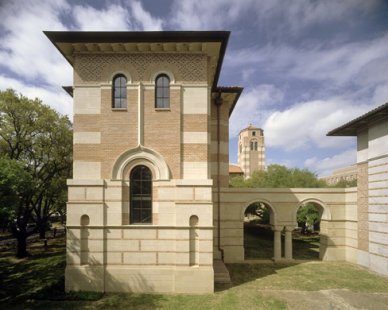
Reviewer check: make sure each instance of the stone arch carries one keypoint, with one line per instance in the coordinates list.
(166, 72)
(141, 155)
(272, 209)
(123, 72)
(325, 217)
(326, 214)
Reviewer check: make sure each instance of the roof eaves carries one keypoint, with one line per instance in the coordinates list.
(142, 37)
(351, 128)
(233, 90)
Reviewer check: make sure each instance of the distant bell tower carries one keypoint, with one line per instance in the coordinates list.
(251, 150)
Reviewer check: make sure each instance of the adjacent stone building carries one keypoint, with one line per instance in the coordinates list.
(342, 174)
(371, 131)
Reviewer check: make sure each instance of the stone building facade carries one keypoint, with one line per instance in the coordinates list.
(149, 206)
(342, 174)
(371, 131)
(149, 147)
(251, 150)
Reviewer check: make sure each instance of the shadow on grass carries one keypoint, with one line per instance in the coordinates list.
(244, 273)
(258, 244)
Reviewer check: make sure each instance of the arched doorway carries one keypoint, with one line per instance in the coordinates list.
(306, 237)
(258, 231)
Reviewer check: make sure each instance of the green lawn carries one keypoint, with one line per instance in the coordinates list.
(38, 283)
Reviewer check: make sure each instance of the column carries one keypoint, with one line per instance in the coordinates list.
(277, 244)
(288, 243)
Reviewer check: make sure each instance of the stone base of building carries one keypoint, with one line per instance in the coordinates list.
(373, 262)
(193, 280)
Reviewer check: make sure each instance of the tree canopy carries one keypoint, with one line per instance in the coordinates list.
(40, 140)
(277, 176)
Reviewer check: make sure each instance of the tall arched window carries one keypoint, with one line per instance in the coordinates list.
(253, 145)
(141, 195)
(162, 91)
(119, 91)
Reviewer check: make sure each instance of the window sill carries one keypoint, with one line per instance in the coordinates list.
(162, 109)
(119, 109)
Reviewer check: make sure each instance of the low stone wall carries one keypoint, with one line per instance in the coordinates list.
(338, 222)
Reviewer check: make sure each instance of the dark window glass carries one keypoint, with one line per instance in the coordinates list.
(141, 195)
(253, 133)
(119, 90)
(162, 93)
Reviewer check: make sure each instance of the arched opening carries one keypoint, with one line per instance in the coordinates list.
(258, 231)
(194, 241)
(306, 237)
(84, 242)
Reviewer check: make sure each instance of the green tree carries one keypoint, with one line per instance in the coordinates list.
(16, 190)
(307, 215)
(277, 176)
(41, 139)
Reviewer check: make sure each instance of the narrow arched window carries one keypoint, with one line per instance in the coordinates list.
(141, 195)
(119, 93)
(253, 145)
(162, 91)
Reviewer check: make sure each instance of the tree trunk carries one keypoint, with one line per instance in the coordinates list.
(42, 233)
(21, 248)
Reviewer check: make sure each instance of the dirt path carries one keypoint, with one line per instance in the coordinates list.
(341, 299)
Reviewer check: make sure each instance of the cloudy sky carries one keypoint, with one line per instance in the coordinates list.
(306, 66)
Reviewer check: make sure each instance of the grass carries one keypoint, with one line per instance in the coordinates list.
(258, 244)
(37, 283)
(309, 276)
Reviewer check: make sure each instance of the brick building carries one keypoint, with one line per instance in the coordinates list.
(251, 150)
(149, 206)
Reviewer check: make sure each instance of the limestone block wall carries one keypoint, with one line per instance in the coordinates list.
(372, 158)
(104, 254)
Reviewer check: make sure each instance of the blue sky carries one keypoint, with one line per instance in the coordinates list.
(306, 66)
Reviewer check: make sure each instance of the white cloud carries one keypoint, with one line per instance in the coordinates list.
(144, 18)
(52, 96)
(112, 18)
(32, 64)
(253, 107)
(327, 165)
(267, 15)
(306, 124)
(205, 14)
(115, 18)
(297, 15)
(24, 48)
(380, 95)
(362, 63)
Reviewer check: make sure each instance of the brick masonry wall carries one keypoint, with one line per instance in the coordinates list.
(362, 206)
